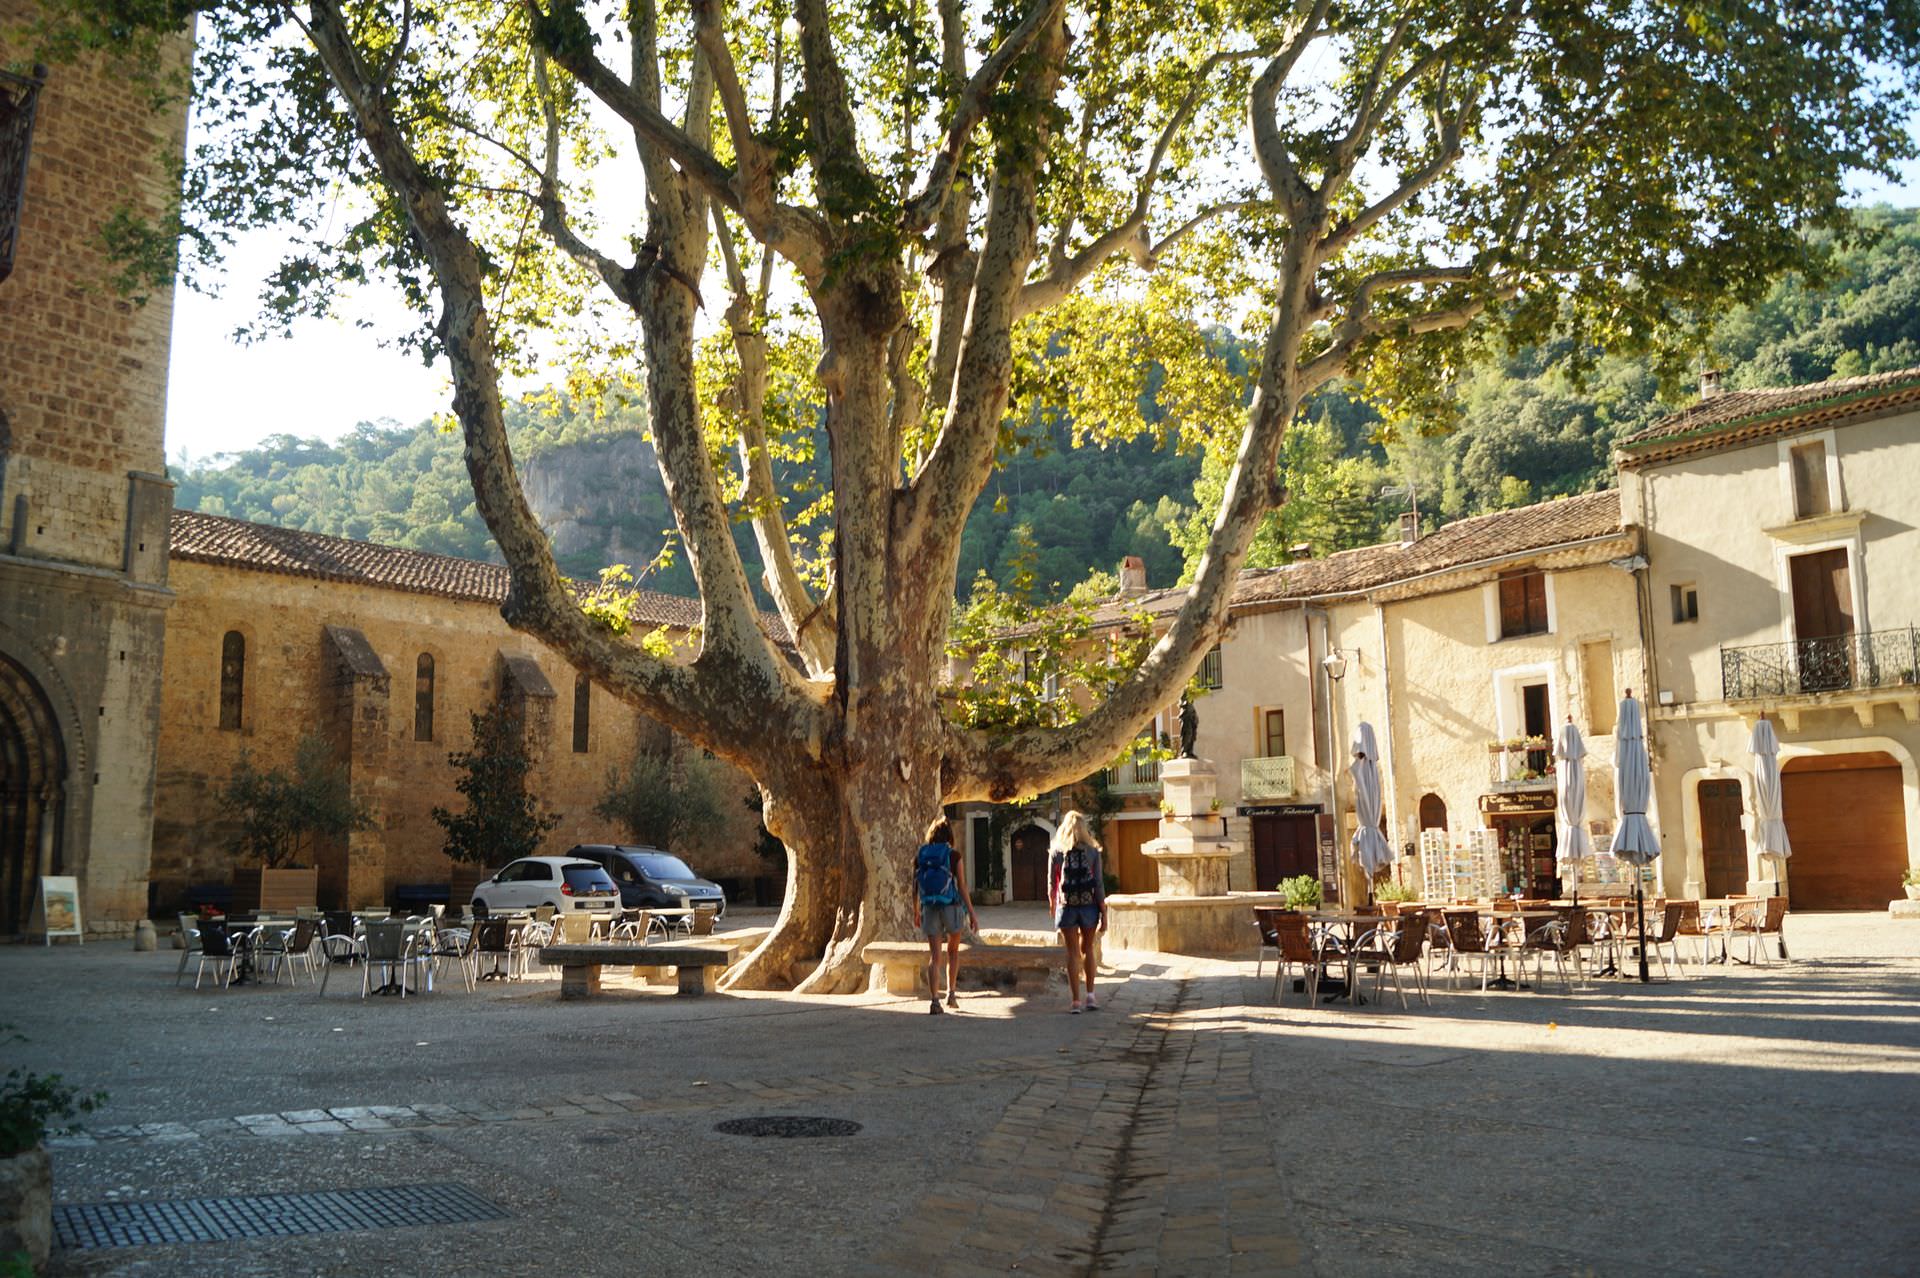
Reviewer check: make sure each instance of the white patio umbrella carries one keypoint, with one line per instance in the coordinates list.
(1573, 843)
(1369, 845)
(1770, 822)
(1633, 838)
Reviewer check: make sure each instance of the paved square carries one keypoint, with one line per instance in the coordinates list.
(1192, 1126)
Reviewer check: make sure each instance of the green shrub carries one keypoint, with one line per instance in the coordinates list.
(30, 1104)
(1392, 891)
(1303, 892)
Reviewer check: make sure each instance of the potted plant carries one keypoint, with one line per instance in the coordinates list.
(1303, 892)
(280, 817)
(1911, 882)
(1393, 894)
(29, 1105)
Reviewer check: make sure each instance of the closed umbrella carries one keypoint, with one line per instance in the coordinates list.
(1769, 813)
(1572, 842)
(1369, 845)
(1633, 838)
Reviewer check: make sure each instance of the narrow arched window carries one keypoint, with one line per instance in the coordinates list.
(233, 678)
(1433, 812)
(582, 695)
(423, 698)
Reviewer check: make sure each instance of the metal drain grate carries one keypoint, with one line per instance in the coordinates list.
(787, 1125)
(147, 1224)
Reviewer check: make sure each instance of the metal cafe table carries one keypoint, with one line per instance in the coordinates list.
(1501, 939)
(1355, 926)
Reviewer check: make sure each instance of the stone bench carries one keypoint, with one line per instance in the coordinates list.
(902, 965)
(699, 966)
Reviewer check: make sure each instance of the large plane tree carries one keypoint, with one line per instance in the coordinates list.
(872, 224)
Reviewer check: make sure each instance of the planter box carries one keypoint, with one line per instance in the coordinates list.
(275, 891)
(26, 1206)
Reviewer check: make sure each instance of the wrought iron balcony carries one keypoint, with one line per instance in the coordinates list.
(1272, 777)
(1837, 663)
(1522, 764)
(1138, 775)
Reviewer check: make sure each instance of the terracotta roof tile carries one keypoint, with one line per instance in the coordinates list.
(1465, 541)
(1743, 415)
(215, 539)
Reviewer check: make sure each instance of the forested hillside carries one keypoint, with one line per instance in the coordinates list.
(1526, 432)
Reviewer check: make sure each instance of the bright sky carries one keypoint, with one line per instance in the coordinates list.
(331, 374)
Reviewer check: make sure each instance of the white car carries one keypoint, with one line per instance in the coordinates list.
(567, 883)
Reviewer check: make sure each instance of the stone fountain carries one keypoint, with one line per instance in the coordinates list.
(1193, 912)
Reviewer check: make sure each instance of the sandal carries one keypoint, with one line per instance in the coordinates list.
(933, 1007)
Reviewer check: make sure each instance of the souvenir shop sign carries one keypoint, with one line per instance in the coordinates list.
(1521, 803)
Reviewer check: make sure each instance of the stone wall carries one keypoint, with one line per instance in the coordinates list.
(340, 659)
(83, 505)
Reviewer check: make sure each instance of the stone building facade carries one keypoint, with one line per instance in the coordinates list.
(383, 653)
(83, 496)
(1783, 530)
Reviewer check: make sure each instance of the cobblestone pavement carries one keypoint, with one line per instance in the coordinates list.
(1749, 1118)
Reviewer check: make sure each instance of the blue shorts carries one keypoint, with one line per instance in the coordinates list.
(1083, 916)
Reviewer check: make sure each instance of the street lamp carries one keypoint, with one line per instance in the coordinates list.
(1335, 664)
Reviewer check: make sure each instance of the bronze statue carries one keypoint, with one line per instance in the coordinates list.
(1189, 726)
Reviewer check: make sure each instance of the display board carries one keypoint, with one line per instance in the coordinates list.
(57, 910)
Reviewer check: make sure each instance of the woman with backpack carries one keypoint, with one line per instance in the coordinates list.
(942, 909)
(1077, 891)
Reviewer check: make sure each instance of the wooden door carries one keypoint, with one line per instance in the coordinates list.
(1030, 864)
(1537, 719)
(1823, 619)
(1128, 863)
(1722, 842)
(1846, 819)
(1283, 848)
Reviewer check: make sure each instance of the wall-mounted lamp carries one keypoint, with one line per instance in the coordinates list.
(1335, 662)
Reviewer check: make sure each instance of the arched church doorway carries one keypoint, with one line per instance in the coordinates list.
(33, 775)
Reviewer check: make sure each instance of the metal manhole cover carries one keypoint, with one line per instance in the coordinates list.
(787, 1126)
(181, 1220)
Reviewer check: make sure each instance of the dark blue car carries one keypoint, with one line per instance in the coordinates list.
(650, 879)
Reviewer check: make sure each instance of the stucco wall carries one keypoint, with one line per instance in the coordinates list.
(290, 692)
(1708, 518)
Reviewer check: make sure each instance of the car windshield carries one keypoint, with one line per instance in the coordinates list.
(588, 878)
(659, 865)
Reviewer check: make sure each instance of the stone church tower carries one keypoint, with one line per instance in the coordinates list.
(84, 498)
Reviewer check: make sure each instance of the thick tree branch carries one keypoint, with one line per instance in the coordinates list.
(1068, 272)
(538, 600)
(969, 110)
(1445, 156)
(1269, 148)
(810, 626)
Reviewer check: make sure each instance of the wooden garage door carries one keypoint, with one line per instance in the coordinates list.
(1124, 838)
(1846, 817)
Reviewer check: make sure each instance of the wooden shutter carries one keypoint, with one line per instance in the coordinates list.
(1822, 594)
(1809, 464)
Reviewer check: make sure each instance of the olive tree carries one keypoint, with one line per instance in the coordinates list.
(867, 228)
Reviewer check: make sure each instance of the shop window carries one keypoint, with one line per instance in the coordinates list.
(582, 707)
(423, 698)
(233, 679)
(1523, 604)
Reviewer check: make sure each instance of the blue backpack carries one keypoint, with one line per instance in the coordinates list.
(933, 874)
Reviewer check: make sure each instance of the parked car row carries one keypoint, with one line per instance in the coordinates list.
(598, 876)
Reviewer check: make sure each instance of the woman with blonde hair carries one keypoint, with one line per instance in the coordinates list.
(1077, 891)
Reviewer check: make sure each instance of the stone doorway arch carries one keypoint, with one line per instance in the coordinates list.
(33, 778)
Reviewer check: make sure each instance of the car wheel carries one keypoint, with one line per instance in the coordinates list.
(479, 908)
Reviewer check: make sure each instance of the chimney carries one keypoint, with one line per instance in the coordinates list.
(1133, 576)
(1409, 528)
(1300, 552)
(1709, 383)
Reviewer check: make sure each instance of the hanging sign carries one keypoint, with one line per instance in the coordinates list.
(57, 912)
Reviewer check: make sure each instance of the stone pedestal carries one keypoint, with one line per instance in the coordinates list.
(1192, 852)
(1192, 912)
